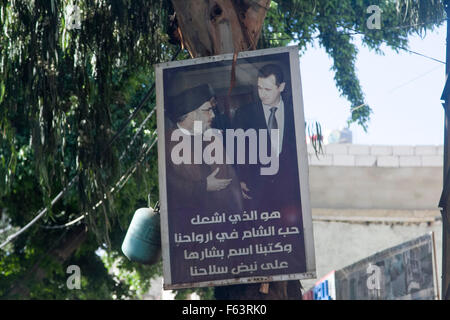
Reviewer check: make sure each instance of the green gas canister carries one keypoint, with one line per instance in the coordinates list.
(142, 243)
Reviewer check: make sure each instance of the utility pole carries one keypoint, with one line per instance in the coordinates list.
(444, 202)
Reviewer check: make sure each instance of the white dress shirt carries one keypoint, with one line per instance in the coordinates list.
(279, 115)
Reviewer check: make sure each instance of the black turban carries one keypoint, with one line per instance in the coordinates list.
(188, 100)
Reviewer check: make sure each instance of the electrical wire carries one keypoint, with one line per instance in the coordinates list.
(39, 215)
(141, 127)
(414, 79)
(74, 179)
(402, 27)
(118, 186)
(137, 133)
(356, 32)
(422, 55)
(138, 108)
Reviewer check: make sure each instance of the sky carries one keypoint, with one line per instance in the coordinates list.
(403, 90)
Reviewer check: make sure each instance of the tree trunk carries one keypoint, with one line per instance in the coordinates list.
(213, 27)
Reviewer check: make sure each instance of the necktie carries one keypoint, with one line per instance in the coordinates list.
(273, 124)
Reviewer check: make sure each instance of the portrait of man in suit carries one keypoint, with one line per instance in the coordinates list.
(273, 110)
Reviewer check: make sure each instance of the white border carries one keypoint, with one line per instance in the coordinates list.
(302, 160)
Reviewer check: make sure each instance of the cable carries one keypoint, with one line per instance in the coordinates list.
(402, 48)
(388, 29)
(137, 133)
(138, 108)
(422, 55)
(129, 172)
(68, 224)
(414, 79)
(44, 211)
(355, 32)
(416, 25)
(131, 117)
(360, 33)
(401, 27)
(118, 186)
(66, 188)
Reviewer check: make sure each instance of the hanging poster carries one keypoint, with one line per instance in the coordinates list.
(233, 170)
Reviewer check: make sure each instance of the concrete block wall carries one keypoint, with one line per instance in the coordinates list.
(355, 181)
(377, 156)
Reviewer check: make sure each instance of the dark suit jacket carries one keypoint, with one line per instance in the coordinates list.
(276, 191)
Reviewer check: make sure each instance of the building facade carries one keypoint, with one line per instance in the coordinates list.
(366, 199)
